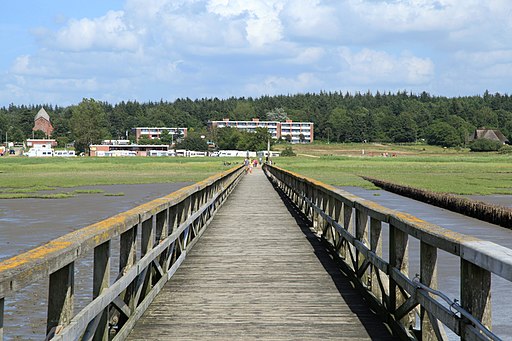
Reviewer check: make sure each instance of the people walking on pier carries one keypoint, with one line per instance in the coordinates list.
(246, 165)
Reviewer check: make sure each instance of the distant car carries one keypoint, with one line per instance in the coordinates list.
(12, 151)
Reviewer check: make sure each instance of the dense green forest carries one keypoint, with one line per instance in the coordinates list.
(341, 117)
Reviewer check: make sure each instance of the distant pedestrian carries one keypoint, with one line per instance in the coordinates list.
(246, 164)
(255, 163)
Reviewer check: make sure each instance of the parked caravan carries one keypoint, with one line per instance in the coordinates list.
(64, 153)
(40, 152)
(264, 154)
(236, 153)
(161, 153)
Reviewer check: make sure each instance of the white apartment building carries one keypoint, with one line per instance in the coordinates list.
(248, 125)
(300, 132)
(154, 132)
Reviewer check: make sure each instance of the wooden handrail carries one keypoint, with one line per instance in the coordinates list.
(352, 227)
(166, 227)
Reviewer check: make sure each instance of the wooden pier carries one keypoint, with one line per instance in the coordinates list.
(239, 257)
(258, 273)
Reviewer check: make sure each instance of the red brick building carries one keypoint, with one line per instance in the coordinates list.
(42, 122)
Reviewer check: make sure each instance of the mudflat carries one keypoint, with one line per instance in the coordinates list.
(27, 223)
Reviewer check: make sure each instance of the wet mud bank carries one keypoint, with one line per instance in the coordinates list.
(28, 223)
(486, 211)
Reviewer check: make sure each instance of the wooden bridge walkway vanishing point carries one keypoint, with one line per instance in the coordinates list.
(258, 273)
(236, 256)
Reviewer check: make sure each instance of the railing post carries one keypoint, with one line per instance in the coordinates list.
(2, 303)
(127, 258)
(328, 229)
(430, 328)
(337, 214)
(399, 260)
(362, 236)
(101, 281)
(378, 286)
(60, 297)
(146, 244)
(317, 202)
(171, 217)
(475, 293)
(347, 225)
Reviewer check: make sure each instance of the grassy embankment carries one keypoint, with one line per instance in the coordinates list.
(425, 167)
(34, 177)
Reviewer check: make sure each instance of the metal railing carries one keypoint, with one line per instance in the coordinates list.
(154, 239)
(352, 228)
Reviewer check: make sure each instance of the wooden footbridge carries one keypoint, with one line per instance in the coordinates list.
(240, 257)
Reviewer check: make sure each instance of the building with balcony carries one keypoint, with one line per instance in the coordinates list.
(299, 132)
(155, 132)
(249, 126)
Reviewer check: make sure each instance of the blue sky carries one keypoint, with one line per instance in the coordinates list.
(61, 51)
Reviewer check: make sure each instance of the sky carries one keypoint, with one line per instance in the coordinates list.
(61, 51)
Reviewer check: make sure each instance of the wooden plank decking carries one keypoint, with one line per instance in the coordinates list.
(257, 274)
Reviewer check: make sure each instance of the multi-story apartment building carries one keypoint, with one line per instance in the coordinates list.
(155, 132)
(250, 126)
(299, 132)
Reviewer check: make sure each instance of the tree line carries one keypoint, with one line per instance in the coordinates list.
(338, 117)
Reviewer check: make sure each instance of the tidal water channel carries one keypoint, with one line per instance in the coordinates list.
(449, 265)
(27, 223)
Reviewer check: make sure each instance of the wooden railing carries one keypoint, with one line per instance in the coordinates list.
(154, 240)
(352, 228)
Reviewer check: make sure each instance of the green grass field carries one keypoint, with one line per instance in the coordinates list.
(27, 177)
(435, 169)
(425, 167)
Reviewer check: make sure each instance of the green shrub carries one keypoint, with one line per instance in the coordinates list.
(505, 149)
(288, 151)
(485, 145)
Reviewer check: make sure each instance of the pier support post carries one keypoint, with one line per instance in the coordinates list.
(377, 287)
(60, 297)
(431, 329)
(399, 260)
(475, 293)
(101, 281)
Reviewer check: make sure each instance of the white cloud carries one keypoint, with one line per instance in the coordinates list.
(109, 32)
(262, 23)
(312, 19)
(272, 85)
(308, 55)
(167, 48)
(368, 67)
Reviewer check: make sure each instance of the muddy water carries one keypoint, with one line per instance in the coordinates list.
(449, 271)
(27, 223)
(503, 200)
